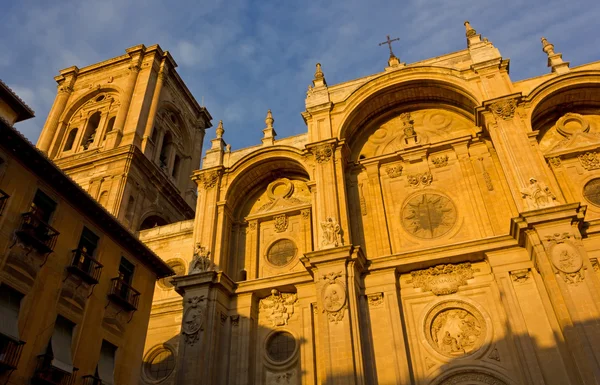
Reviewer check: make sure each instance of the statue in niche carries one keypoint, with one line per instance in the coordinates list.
(408, 125)
(331, 233)
(538, 195)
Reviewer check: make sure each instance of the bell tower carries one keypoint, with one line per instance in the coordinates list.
(129, 132)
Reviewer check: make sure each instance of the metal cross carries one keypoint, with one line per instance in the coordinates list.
(389, 43)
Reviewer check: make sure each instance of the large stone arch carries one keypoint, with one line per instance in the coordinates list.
(471, 375)
(408, 86)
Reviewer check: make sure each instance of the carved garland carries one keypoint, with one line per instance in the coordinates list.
(442, 279)
(417, 180)
(590, 160)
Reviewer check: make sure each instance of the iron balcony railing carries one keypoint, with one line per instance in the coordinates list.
(37, 233)
(3, 198)
(10, 352)
(85, 266)
(123, 294)
(47, 374)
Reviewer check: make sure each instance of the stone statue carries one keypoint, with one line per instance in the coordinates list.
(538, 195)
(331, 233)
(201, 261)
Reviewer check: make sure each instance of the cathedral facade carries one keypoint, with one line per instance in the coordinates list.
(438, 223)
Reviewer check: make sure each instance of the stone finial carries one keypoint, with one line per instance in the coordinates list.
(555, 60)
(269, 119)
(472, 36)
(469, 31)
(269, 132)
(319, 79)
(220, 131)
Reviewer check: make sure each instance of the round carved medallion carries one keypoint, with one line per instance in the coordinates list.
(455, 328)
(591, 191)
(566, 258)
(571, 123)
(334, 297)
(429, 215)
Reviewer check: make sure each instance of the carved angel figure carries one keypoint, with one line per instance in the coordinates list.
(331, 233)
(279, 307)
(538, 195)
(201, 261)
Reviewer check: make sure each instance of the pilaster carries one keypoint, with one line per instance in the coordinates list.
(337, 277)
(205, 226)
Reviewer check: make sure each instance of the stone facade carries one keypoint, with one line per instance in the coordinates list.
(438, 223)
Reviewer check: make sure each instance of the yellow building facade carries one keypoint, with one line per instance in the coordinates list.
(75, 285)
(438, 223)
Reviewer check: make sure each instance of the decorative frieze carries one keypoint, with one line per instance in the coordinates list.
(440, 161)
(394, 171)
(421, 180)
(555, 162)
(590, 160)
(279, 307)
(442, 279)
(504, 109)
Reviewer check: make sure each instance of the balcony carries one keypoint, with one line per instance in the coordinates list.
(91, 380)
(37, 233)
(123, 294)
(3, 198)
(46, 374)
(85, 267)
(10, 352)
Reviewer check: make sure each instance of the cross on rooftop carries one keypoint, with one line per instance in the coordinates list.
(389, 43)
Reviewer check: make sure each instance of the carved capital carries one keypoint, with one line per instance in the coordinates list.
(375, 299)
(65, 89)
(520, 276)
(589, 160)
(504, 109)
(209, 179)
(323, 153)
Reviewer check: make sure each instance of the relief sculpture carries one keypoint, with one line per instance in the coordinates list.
(279, 307)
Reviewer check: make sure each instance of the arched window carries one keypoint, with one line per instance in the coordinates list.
(70, 139)
(90, 131)
(130, 210)
(175, 172)
(165, 150)
(154, 135)
(152, 221)
(103, 200)
(109, 127)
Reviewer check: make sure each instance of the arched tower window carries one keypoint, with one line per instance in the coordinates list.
(90, 131)
(176, 167)
(152, 221)
(130, 209)
(165, 150)
(109, 127)
(70, 139)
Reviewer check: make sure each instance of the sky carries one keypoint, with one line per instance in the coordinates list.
(243, 57)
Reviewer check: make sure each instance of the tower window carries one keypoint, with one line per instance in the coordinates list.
(70, 139)
(175, 172)
(109, 127)
(130, 209)
(90, 132)
(154, 134)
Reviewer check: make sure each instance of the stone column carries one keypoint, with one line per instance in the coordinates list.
(65, 89)
(554, 239)
(205, 225)
(162, 73)
(336, 273)
(201, 347)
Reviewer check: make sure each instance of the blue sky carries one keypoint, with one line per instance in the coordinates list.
(245, 57)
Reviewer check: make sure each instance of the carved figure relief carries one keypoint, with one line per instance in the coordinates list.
(417, 180)
(442, 279)
(193, 319)
(428, 215)
(333, 296)
(331, 233)
(279, 307)
(281, 223)
(455, 328)
(565, 257)
(538, 195)
(201, 261)
(408, 127)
